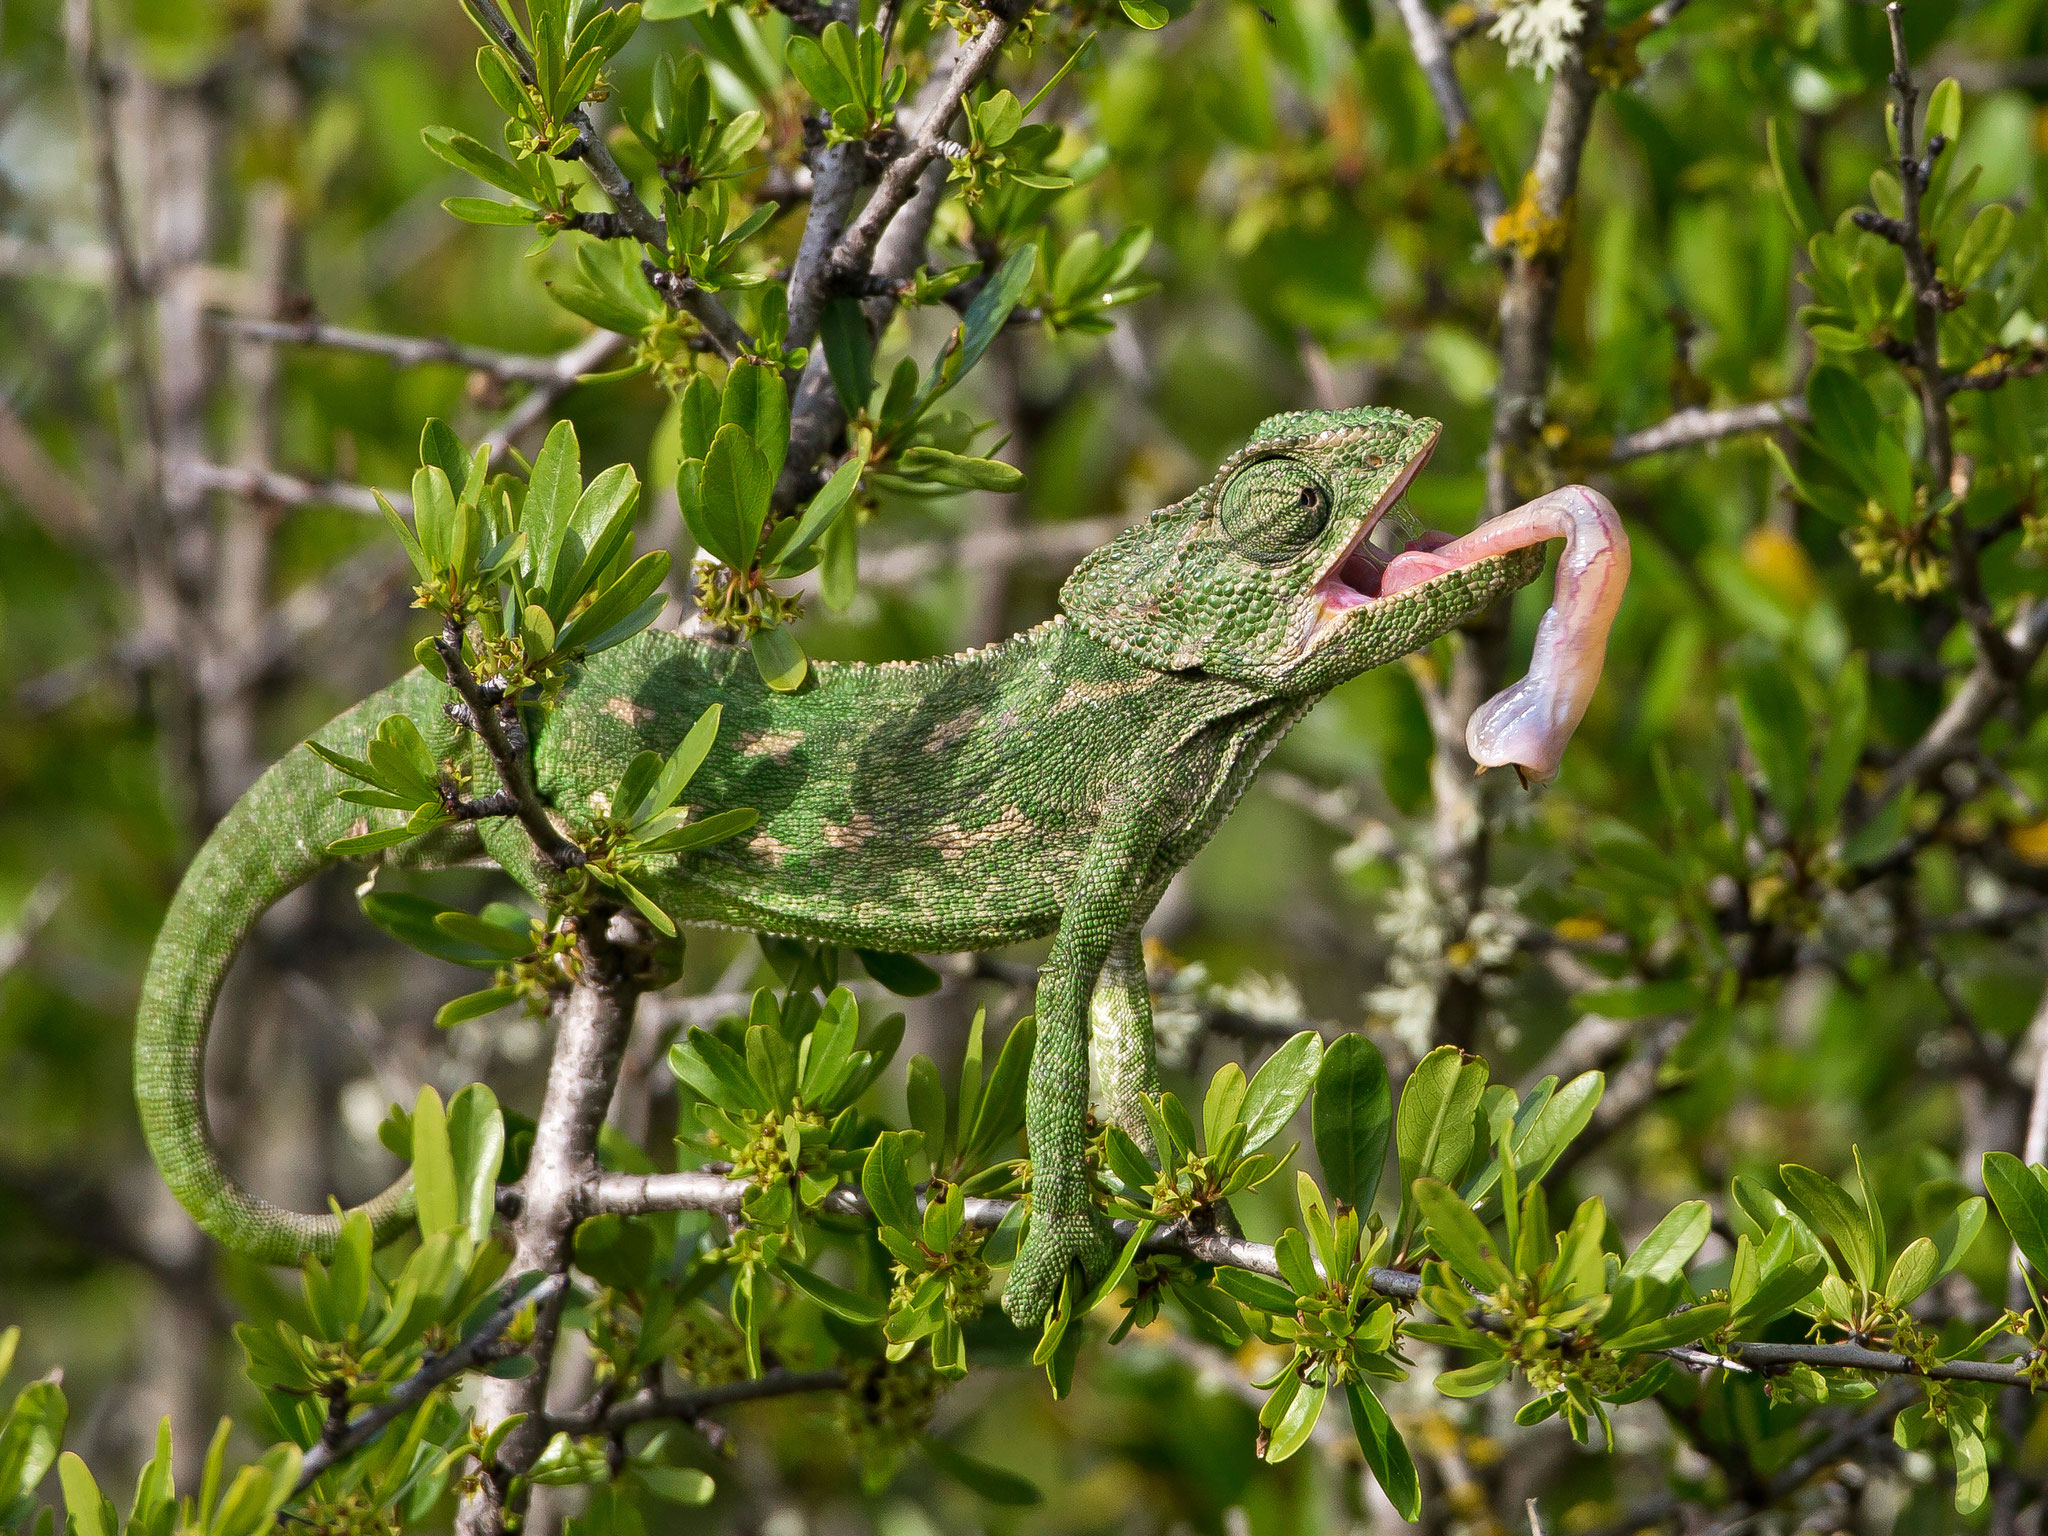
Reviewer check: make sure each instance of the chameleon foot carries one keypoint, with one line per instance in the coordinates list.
(1050, 1246)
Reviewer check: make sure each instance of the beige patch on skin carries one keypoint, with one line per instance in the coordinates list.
(947, 732)
(627, 712)
(954, 841)
(766, 848)
(1081, 692)
(359, 827)
(854, 834)
(771, 743)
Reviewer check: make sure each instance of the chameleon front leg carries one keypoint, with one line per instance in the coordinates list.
(1120, 1036)
(1105, 905)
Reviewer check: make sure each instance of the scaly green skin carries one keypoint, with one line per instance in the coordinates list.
(1050, 784)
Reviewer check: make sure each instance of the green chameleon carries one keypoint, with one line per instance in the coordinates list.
(1048, 784)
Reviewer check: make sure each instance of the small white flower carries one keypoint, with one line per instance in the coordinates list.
(1538, 33)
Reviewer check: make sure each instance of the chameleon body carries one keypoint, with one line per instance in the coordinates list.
(1048, 784)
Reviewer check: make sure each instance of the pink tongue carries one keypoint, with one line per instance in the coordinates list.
(1529, 724)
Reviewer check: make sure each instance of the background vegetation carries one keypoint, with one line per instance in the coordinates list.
(1786, 895)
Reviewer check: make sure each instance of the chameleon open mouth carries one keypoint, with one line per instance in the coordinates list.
(1528, 725)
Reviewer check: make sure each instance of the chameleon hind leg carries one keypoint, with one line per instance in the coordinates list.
(1105, 904)
(1120, 1037)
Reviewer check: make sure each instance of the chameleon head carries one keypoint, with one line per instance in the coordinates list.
(1294, 570)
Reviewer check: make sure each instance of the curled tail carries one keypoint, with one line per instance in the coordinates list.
(272, 842)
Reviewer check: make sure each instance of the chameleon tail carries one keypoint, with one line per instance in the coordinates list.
(269, 844)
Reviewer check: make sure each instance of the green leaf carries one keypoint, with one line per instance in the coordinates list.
(679, 1485)
(697, 834)
(433, 1167)
(1002, 1102)
(1148, 14)
(904, 975)
(836, 1299)
(779, 659)
(493, 937)
(1223, 1105)
(1352, 1118)
(88, 1512)
(991, 1482)
(474, 1005)
(466, 154)
(1793, 190)
(1385, 1451)
(958, 469)
(885, 1181)
(2022, 1205)
(1775, 724)
(926, 1102)
(1278, 1088)
(716, 1071)
(683, 763)
(734, 490)
(1670, 1332)
(1433, 1129)
(476, 1142)
(484, 210)
(756, 402)
(849, 354)
(1297, 1423)
(607, 620)
(1663, 1255)
(1260, 1292)
(1990, 232)
(1459, 1236)
(552, 491)
(1828, 1208)
(416, 921)
(833, 498)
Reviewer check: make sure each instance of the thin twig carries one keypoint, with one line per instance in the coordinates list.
(478, 1349)
(1433, 55)
(851, 257)
(640, 221)
(488, 711)
(696, 1402)
(640, 1194)
(403, 351)
(1690, 428)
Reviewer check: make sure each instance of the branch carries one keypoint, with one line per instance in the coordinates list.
(640, 221)
(643, 1194)
(1956, 727)
(1042, 544)
(1433, 55)
(592, 1023)
(692, 1405)
(43, 489)
(487, 710)
(570, 367)
(852, 256)
(282, 490)
(403, 351)
(1690, 428)
(478, 1349)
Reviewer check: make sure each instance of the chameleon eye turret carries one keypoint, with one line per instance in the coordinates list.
(1274, 507)
(1050, 784)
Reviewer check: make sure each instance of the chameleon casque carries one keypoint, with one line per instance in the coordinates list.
(1048, 784)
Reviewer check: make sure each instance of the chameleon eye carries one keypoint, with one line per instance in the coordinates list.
(1274, 508)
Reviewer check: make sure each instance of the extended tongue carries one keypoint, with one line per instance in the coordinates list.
(1529, 724)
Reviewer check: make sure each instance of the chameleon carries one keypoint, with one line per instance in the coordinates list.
(1049, 784)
